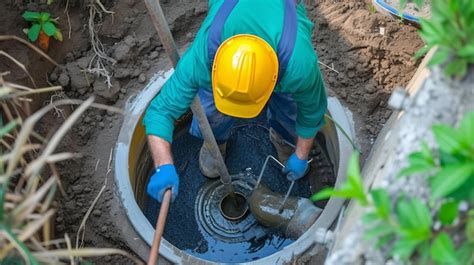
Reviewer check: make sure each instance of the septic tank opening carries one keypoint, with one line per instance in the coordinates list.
(196, 230)
(234, 207)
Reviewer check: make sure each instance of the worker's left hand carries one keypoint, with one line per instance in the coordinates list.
(295, 167)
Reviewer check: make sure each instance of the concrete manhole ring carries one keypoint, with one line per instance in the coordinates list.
(132, 143)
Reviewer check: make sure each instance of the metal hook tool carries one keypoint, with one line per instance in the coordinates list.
(280, 209)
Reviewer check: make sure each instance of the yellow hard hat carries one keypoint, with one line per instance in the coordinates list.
(244, 74)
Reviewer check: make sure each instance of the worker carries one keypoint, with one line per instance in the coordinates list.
(248, 54)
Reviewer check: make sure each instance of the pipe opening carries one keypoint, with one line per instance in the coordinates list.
(234, 207)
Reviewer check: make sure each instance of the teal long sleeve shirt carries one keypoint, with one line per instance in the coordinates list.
(263, 18)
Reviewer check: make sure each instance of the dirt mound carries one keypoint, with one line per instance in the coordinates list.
(373, 55)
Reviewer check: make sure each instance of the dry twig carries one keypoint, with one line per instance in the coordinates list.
(329, 67)
(19, 65)
(26, 197)
(82, 227)
(31, 46)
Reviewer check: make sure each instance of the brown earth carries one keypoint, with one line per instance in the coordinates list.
(347, 37)
(370, 64)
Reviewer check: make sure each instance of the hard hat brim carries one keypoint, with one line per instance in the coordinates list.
(238, 109)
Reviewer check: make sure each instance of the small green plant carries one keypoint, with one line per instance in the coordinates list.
(406, 225)
(42, 28)
(451, 30)
(371, 8)
(454, 158)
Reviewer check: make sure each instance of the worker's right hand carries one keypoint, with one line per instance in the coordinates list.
(165, 177)
(295, 167)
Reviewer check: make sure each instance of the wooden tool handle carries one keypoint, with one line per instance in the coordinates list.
(160, 227)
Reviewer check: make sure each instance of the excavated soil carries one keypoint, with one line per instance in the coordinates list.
(370, 55)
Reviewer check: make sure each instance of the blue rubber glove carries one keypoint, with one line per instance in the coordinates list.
(165, 177)
(295, 168)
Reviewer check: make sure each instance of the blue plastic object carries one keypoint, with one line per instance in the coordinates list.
(394, 11)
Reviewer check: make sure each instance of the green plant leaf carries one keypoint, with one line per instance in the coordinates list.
(442, 250)
(343, 192)
(31, 16)
(414, 218)
(448, 212)
(418, 158)
(33, 32)
(450, 28)
(49, 2)
(355, 179)
(404, 248)
(370, 218)
(404, 211)
(470, 229)
(412, 169)
(430, 32)
(58, 35)
(421, 52)
(440, 10)
(322, 194)
(426, 152)
(402, 4)
(446, 158)
(49, 28)
(8, 127)
(450, 178)
(351, 189)
(464, 254)
(446, 137)
(423, 256)
(378, 230)
(419, 3)
(44, 17)
(466, 130)
(23, 248)
(384, 240)
(439, 57)
(420, 215)
(381, 202)
(465, 192)
(347, 193)
(456, 68)
(466, 51)
(371, 8)
(421, 161)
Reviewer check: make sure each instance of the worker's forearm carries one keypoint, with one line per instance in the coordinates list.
(303, 147)
(160, 151)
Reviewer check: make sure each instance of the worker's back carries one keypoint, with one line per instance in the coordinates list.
(263, 18)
